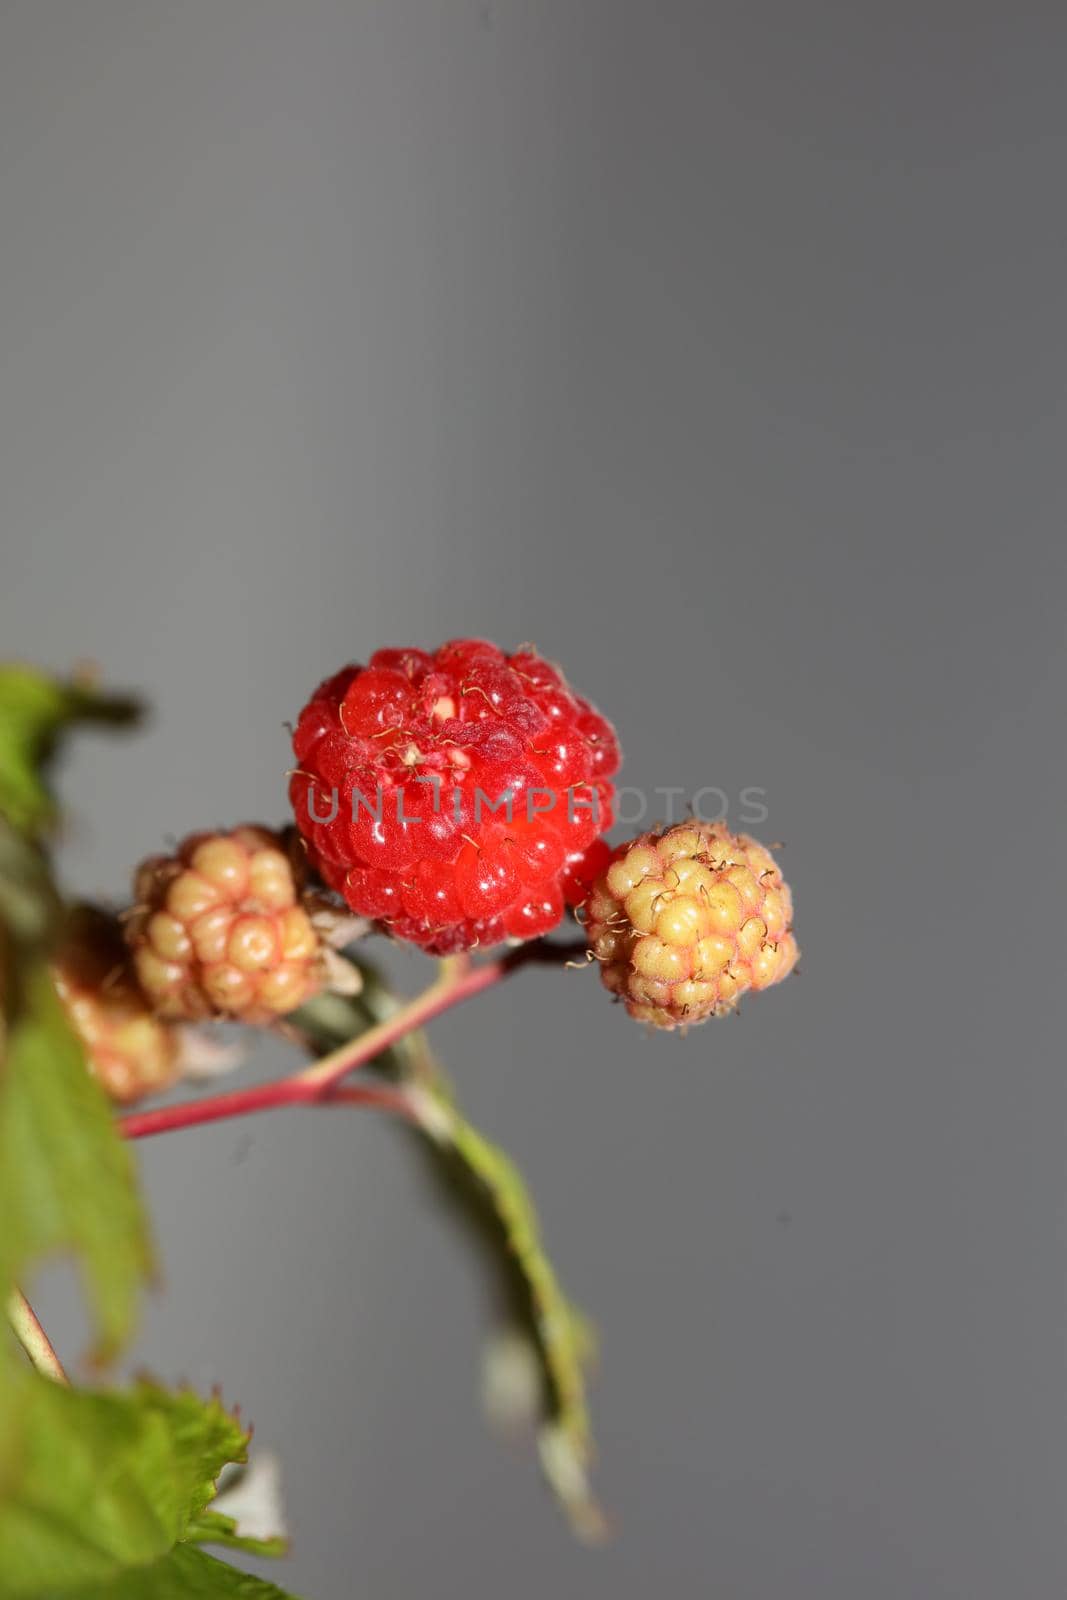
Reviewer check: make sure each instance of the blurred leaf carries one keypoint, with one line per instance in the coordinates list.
(101, 1482)
(34, 709)
(95, 1489)
(185, 1574)
(29, 914)
(66, 1177)
(205, 1437)
(214, 1527)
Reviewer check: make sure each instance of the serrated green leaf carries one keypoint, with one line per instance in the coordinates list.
(102, 1482)
(213, 1527)
(34, 708)
(205, 1437)
(185, 1574)
(66, 1178)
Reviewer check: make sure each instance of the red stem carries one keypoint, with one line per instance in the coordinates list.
(319, 1083)
(142, 1124)
(287, 1092)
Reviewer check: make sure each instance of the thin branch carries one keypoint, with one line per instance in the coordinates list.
(319, 1083)
(32, 1337)
(381, 1099)
(448, 991)
(238, 1102)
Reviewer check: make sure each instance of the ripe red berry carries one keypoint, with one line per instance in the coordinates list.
(684, 922)
(130, 1051)
(221, 929)
(454, 796)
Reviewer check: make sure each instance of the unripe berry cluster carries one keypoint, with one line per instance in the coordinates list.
(684, 922)
(220, 929)
(453, 796)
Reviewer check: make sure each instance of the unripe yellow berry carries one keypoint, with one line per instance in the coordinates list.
(686, 921)
(220, 930)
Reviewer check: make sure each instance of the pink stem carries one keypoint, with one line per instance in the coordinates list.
(319, 1083)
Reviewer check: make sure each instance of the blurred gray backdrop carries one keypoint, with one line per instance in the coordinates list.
(719, 349)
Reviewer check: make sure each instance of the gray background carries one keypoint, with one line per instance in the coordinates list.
(719, 349)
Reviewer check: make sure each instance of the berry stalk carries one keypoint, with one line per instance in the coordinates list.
(319, 1083)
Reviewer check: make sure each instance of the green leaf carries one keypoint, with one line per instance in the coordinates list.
(212, 1527)
(66, 1181)
(29, 914)
(185, 1574)
(66, 1177)
(205, 1437)
(34, 709)
(102, 1482)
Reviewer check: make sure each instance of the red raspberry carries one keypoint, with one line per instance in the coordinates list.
(684, 922)
(220, 929)
(404, 760)
(130, 1051)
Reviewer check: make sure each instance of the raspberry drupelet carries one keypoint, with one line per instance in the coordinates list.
(684, 922)
(221, 928)
(129, 1050)
(404, 772)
